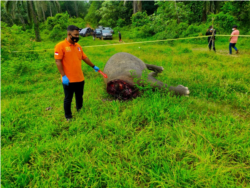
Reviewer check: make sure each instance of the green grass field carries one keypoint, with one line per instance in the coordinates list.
(155, 140)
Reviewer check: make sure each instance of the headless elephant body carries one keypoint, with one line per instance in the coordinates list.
(124, 71)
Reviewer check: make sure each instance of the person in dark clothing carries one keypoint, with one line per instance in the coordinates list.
(211, 39)
(68, 57)
(120, 36)
(93, 34)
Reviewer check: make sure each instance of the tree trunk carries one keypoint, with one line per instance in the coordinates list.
(137, 6)
(134, 7)
(204, 12)
(33, 14)
(43, 14)
(76, 9)
(50, 10)
(10, 19)
(204, 16)
(67, 7)
(217, 7)
(178, 21)
(22, 21)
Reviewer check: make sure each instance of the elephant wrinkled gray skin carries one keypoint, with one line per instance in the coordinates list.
(122, 69)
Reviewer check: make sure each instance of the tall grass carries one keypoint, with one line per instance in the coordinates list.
(155, 140)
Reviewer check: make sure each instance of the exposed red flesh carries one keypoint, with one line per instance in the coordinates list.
(121, 90)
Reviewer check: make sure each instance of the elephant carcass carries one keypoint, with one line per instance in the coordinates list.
(124, 71)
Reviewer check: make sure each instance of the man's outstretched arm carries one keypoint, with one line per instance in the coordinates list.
(87, 61)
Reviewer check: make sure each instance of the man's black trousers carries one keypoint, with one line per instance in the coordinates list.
(210, 44)
(77, 88)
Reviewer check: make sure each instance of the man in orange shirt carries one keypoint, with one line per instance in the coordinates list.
(68, 56)
(233, 39)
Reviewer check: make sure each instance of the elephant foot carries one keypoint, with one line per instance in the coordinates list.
(180, 90)
(154, 68)
(121, 90)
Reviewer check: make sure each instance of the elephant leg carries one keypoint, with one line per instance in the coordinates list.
(154, 82)
(156, 69)
(178, 90)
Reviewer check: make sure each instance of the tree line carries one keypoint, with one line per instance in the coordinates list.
(124, 13)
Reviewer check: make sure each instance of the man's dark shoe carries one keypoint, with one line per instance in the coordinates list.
(237, 51)
(69, 119)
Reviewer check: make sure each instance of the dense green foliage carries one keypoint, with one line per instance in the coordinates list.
(154, 140)
(156, 18)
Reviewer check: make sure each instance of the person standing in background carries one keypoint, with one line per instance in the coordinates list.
(93, 34)
(233, 39)
(211, 39)
(120, 36)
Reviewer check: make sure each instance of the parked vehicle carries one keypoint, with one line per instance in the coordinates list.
(98, 33)
(109, 28)
(86, 32)
(100, 27)
(106, 34)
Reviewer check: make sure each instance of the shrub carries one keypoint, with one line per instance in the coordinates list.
(3, 24)
(46, 31)
(139, 19)
(146, 31)
(192, 31)
(167, 11)
(182, 27)
(93, 17)
(161, 35)
(16, 29)
(160, 24)
(79, 22)
(222, 22)
(57, 33)
(50, 23)
(120, 22)
(60, 18)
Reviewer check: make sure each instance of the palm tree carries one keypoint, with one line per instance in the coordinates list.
(53, 5)
(35, 9)
(12, 5)
(42, 7)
